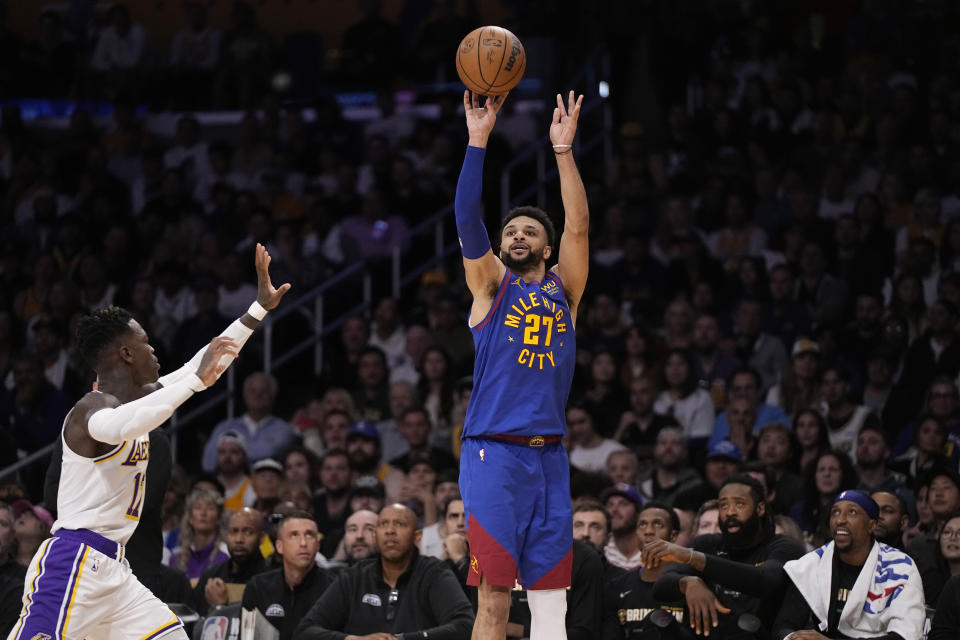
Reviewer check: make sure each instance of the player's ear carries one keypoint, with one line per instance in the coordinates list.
(417, 535)
(125, 353)
(547, 252)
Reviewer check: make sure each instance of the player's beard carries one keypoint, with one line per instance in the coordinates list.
(532, 259)
(745, 537)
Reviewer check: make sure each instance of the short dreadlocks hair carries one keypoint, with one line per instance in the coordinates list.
(537, 214)
(100, 328)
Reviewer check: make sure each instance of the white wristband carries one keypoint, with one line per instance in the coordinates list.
(562, 146)
(257, 311)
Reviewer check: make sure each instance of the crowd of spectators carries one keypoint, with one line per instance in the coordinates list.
(768, 349)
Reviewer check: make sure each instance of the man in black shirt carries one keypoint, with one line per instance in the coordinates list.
(399, 595)
(736, 572)
(893, 518)
(828, 597)
(628, 600)
(244, 531)
(284, 595)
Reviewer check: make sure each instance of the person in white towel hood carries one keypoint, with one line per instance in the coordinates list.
(853, 586)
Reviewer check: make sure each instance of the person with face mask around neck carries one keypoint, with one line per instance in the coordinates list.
(736, 572)
(853, 586)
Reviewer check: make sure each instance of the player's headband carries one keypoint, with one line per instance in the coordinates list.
(869, 504)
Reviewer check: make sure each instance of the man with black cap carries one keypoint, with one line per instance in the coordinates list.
(367, 494)
(622, 501)
(738, 572)
(853, 586)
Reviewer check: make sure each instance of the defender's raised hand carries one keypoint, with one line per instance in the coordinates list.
(564, 125)
(267, 295)
(480, 120)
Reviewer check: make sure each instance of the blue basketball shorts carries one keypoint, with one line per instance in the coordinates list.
(519, 519)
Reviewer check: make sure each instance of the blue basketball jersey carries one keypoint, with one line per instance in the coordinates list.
(525, 357)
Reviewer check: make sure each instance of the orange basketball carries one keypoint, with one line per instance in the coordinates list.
(491, 61)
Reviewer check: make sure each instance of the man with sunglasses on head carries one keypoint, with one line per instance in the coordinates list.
(400, 595)
(284, 595)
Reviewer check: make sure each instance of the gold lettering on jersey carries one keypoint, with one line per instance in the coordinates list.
(538, 328)
(535, 360)
(139, 452)
(637, 615)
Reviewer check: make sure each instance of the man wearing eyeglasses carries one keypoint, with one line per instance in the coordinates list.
(284, 595)
(400, 595)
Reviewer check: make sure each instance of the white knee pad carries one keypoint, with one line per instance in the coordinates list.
(548, 614)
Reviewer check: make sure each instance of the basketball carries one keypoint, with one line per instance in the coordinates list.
(491, 61)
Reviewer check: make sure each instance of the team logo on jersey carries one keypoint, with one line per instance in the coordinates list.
(371, 599)
(537, 441)
(550, 288)
(518, 282)
(95, 566)
(139, 452)
(275, 611)
(483, 453)
(474, 564)
(40, 636)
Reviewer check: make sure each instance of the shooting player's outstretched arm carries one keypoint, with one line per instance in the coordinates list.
(483, 268)
(573, 260)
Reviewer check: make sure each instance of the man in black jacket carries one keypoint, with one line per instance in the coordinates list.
(401, 594)
(284, 595)
(244, 531)
(738, 571)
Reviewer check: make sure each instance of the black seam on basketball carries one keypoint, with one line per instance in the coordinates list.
(480, 61)
(493, 83)
(467, 76)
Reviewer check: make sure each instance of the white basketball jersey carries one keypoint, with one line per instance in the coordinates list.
(104, 494)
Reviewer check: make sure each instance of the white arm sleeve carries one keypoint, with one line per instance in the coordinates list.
(134, 419)
(240, 334)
